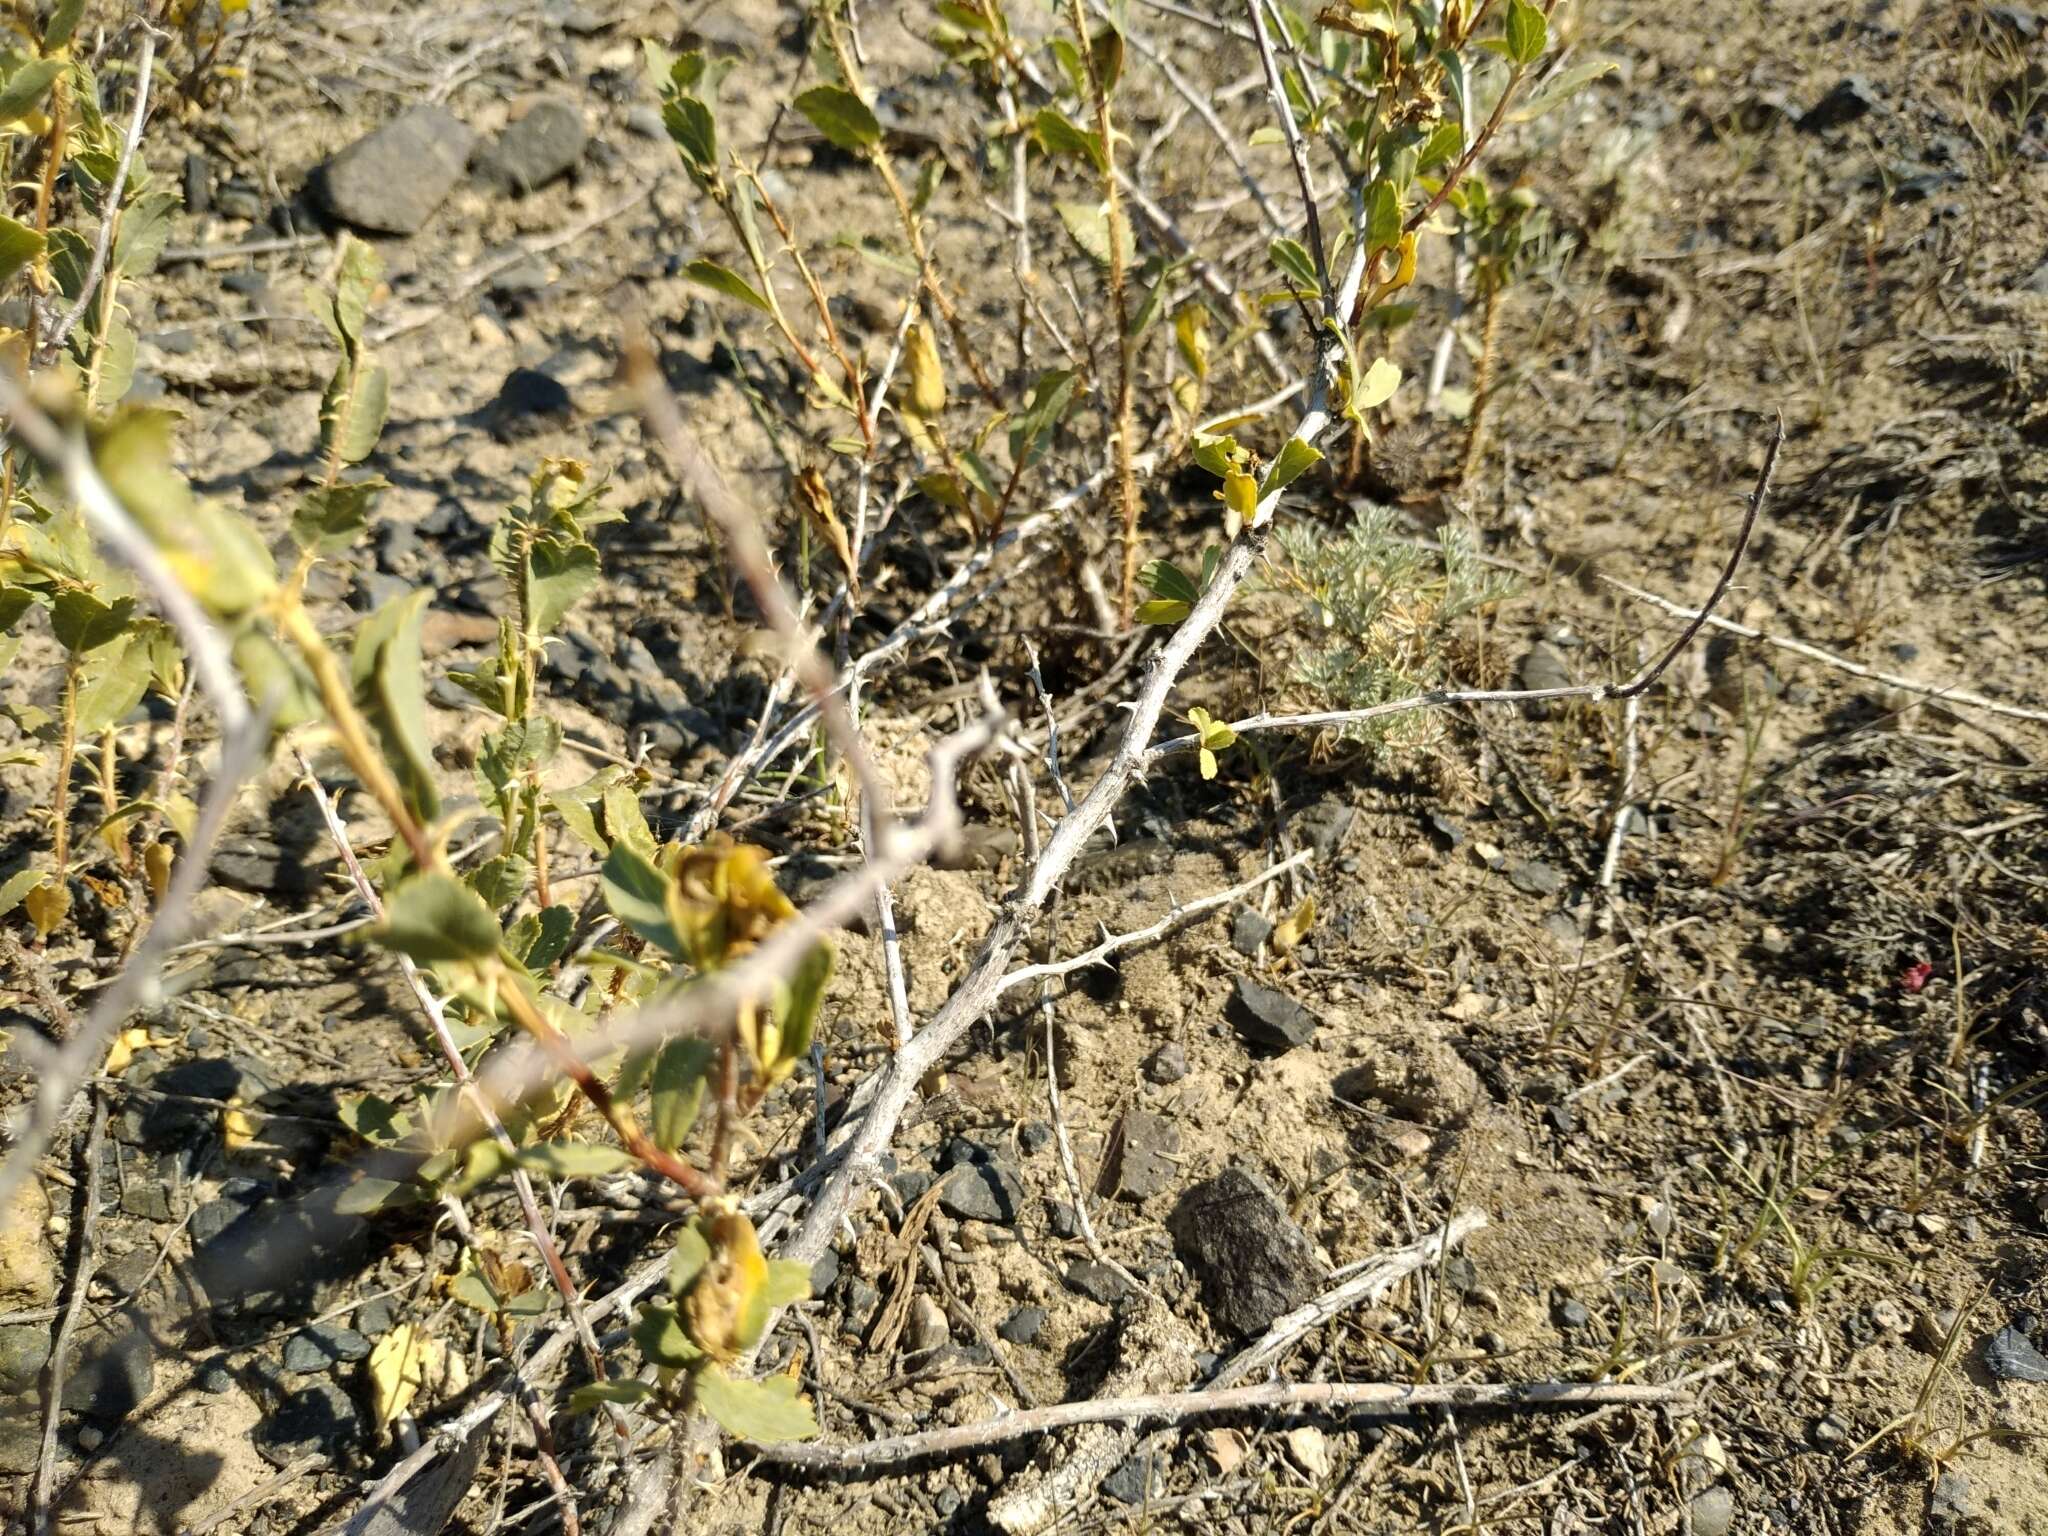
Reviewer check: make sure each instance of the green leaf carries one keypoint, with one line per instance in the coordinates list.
(1293, 259)
(17, 886)
(659, 1333)
(841, 116)
(390, 682)
(1088, 224)
(502, 880)
(1295, 460)
(1162, 578)
(687, 1262)
(434, 917)
(788, 1281)
(366, 1197)
(1381, 379)
(573, 1159)
(1057, 135)
(145, 227)
(1560, 88)
(328, 520)
(19, 245)
(1218, 455)
(1051, 394)
(762, 1411)
(798, 1000)
(62, 23)
(1382, 215)
(694, 133)
(1527, 32)
(593, 1395)
(709, 274)
(1163, 610)
(541, 938)
(559, 573)
(675, 1091)
(111, 682)
(355, 283)
(82, 622)
(1445, 143)
(353, 409)
(376, 1120)
(638, 895)
(24, 90)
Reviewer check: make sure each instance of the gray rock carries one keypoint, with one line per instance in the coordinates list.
(115, 1372)
(147, 1200)
(824, 1274)
(258, 863)
(215, 1378)
(23, 1349)
(323, 1346)
(528, 402)
(646, 121)
(1148, 1146)
(1949, 1505)
(983, 1192)
(1033, 1137)
(544, 143)
(318, 1417)
(1712, 1511)
(1573, 1313)
(1022, 1326)
(198, 184)
(1249, 931)
(1168, 1064)
(1061, 1220)
(1097, 1281)
(1543, 666)
(1533, 877)
(1444, 832)
(1246, 1253)
(1269, 1018)
(21, 1437)
(216, 1216)
(1135, 1481)
(2009, 1355)
(926, 1328)
(1849, 100)
(860, 1303)
(1323, 825)
(392, 180)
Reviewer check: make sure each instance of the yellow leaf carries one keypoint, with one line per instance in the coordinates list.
(1208, 761)
(156, 864)
(47, 906)
(1296, 928)
(237, 1130)
(927, 377)
(1240, 498)
(122, 1053)
(1405, 273)
(404, 1360)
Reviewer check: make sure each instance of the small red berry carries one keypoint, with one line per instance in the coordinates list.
(1916, 975)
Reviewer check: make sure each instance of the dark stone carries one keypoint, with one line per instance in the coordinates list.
(1559, 1118)
(146, 1199)
(1249, 931)
(1268, 1018)
(392, 180)
(1097, 1281)
(1022, 1326)
(215, 1377)
(1444, 832)
(23, 1349)
(216, 1216)
(1168, 1064)
(528, 401)
(198, 182)
(544, 143)
(1533, 877)
(860, 1303)
(1147, 1148)
(240, 200)
(322, 1346)
(318, 1417)
(982, 1192)
(376, 1316)
(114, 1372)
(129, 1273)
(1543, 666)
(911, 1184)
(1573, 1313)
(1135, 1481)
(825, 1271)
(1849, 100)
(1033, 1138)
(1246, 1253)
(197, 1088)
(1949, 1505)
(2009, 1355)
(1323, 825)
(1061, 1219)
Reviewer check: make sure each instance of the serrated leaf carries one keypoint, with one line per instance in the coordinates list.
(374, 1119)
(1445, 143)
(573, 1159)
(19, 245)
(23, 91)
(658, 1331)
(434, 918)
(559, 575)
(328, 520)
(709, 274)
(693, 131)
(638, 895)
(502, 880)
(1162, 578)
(675, 1089)
(846, 121)
(762, 1411)
(353, 409)
(1296, 459)
(145, 227)
(554, 928)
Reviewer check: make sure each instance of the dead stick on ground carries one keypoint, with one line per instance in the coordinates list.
(1378, 1399)
(42, 1498)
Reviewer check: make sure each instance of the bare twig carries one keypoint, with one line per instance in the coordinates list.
(111, 214)
(1296, 149)
(42, 1497)
(1377, 1399)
